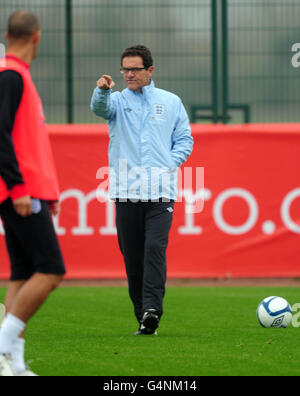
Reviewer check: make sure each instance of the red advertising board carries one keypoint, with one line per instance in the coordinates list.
(249, 225)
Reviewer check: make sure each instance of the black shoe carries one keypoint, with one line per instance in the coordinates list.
(149, 323)
(141, 332)
(138, 332)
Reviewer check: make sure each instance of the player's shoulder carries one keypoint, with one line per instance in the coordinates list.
(11, 78)
(11, 75)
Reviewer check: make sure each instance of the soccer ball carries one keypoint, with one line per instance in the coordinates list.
(274, 312)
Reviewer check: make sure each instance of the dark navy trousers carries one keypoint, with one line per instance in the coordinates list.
(143, 231)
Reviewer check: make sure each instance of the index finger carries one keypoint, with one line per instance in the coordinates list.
(107, 77)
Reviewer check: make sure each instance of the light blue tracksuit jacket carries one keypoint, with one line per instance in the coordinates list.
(150, 138)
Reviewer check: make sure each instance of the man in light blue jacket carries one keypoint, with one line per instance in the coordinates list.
(150, 138)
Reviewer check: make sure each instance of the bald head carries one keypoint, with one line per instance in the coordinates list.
(23, 35)
(22, 24)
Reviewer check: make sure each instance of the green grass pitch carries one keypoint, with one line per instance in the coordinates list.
(88, 331)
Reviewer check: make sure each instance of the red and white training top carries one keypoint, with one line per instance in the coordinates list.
(30, 142)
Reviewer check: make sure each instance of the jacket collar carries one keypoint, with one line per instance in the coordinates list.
(148, 88)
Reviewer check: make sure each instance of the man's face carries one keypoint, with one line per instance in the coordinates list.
(135, 80)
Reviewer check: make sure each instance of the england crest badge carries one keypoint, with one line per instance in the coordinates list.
(159, 109)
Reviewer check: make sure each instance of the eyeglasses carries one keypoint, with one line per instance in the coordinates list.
(125, 70)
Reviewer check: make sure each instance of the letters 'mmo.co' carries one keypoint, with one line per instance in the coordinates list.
(190, 199)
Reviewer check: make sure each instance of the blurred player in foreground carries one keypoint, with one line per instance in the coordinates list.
(28, 193)
(150, 138)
